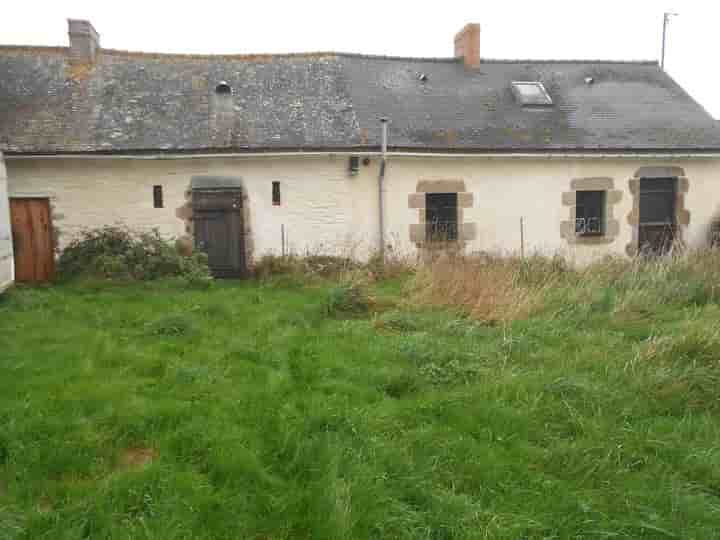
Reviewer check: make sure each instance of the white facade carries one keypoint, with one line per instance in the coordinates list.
(325, 209)
(6, 249)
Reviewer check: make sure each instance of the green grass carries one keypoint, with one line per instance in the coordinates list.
(257, 411)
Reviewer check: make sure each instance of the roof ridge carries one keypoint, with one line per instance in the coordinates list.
(35, 48)
(251, 56)
(565, 61)
(321, 54)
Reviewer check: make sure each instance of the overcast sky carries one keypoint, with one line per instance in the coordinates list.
(555, 29)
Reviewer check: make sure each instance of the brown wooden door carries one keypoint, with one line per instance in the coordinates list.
(218, 223)
(32, 239)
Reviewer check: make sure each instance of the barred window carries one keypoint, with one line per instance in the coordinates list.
(657, 201)
(590, 212)
(441, 216)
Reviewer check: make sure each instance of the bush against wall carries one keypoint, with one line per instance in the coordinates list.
(121, 253)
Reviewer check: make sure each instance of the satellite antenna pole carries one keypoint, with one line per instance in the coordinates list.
(666, 20)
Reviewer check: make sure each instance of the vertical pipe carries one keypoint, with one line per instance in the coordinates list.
(381, 182)
(664, 32)
(282, 238)
(522, 238)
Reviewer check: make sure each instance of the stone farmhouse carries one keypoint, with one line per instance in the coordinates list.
(244, 155)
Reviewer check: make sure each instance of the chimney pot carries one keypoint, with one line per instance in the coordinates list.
(467, 45)
(84, 41)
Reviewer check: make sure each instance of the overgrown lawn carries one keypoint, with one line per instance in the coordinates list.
(277, 410)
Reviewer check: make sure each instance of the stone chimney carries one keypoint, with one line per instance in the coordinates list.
(84, 41)
(467, 45)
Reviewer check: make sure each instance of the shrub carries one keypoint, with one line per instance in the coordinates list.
(349, 298)
(118, 252)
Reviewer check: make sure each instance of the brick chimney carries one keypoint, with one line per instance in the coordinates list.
(84, 41)
(467, 45)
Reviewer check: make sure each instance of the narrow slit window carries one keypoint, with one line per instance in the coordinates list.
(157, 197)
(590, 213)
(441, 217)
(276, 193)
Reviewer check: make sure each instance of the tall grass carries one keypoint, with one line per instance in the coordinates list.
(493, 288)
(291, 409)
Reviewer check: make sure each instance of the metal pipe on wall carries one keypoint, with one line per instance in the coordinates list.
(381, 181)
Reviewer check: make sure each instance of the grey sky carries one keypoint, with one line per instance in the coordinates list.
(609, 29)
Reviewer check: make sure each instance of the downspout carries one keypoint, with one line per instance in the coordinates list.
(381, 182)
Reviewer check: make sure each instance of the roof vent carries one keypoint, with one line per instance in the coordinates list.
(223, 88)
(589, 80)
(531, 93)
(422, 77)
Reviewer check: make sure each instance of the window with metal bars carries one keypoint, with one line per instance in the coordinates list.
(657, 201)
(657, 220)
(590, 213)
(441, 217)
(276, 193)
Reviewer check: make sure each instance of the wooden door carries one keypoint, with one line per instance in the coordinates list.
(32, 240)
(219, 232)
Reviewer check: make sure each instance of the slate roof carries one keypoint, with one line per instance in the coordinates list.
(142, 102)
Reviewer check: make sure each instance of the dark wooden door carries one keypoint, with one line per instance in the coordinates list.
(32, 240)
(219, 231)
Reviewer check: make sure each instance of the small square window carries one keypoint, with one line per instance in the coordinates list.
(157, 197)
(590, 213)
(276, 193)
(531, 93)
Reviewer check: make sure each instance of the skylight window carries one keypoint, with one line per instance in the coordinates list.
(531, 93)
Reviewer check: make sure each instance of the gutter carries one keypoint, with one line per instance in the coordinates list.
(394, 154)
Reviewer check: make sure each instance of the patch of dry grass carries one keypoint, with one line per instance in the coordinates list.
(488, 288)
(494, 288)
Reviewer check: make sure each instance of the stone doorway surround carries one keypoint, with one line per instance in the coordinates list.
(682, 215)
(467, 231)
(232, 184)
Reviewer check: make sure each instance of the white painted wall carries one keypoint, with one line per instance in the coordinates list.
(506, 189)
(6, 249)
(323, 208)
(326, 210)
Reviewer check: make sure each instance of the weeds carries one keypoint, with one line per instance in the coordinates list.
(120, 253)
(172, 326)
(495, 289)
(346, 299)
